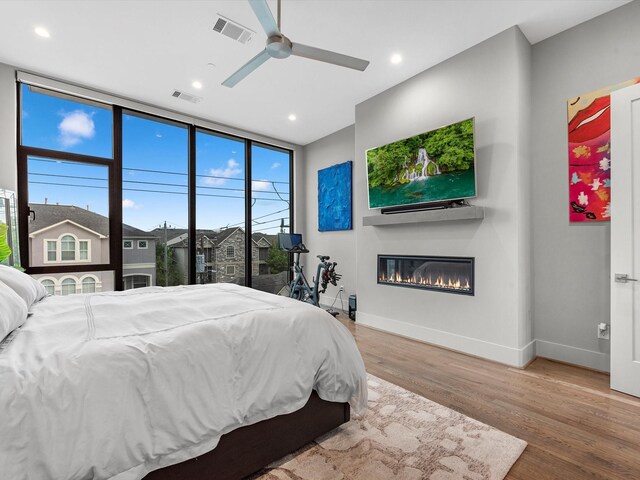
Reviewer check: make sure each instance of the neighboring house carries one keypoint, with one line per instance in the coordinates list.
(62, 235)
(220, 254)
(261, 245)
(177, 240)
(229, 256)
(138, 258)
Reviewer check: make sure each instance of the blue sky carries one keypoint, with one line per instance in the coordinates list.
(155, 157)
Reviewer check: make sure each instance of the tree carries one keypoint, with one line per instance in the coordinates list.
(451, 148)
(278, 260)
(174, 277)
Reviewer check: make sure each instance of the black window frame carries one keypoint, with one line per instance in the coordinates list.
(114, 166)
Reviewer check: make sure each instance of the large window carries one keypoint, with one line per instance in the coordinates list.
(271, 214)
(56, 121)
(120, 199)
(220, 208)
(155, 201)
(66, 170)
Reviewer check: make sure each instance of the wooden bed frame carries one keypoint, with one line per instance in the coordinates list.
(248, 449)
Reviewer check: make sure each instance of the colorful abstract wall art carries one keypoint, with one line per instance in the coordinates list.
(334, 197)
(589, 119)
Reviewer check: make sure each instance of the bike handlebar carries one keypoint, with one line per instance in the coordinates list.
(323, 257)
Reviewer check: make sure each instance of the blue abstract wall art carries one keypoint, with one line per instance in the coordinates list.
(334, 197)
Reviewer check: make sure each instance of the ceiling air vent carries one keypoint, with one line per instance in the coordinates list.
(186, 96)
(233, 30)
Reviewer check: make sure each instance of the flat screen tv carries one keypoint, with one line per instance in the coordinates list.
(432, 167)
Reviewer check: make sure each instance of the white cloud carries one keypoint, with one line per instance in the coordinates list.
(126, 203)
(75, 127)
(275, 165)
(260, 185)
(231, 170)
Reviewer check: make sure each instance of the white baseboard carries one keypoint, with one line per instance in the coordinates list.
(517, 357)
(573, 355)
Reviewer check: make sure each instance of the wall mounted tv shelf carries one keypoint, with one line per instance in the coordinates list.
(470, 212)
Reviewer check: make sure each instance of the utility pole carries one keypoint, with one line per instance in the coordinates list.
(204, 260)
(166, 257)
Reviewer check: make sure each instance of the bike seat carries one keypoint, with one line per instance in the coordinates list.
(323, 257)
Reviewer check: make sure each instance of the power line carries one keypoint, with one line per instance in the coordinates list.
(266, 223)
(163, 172)
(140, 182)
(68, 176)
(258, 218)
(152, 191)
(274, 188)
(264, 229)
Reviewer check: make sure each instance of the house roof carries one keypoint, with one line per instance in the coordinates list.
(47, 215)
(178, 236)
(257, 237)
(226, 233)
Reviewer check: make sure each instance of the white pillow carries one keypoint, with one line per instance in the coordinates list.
(13, 311)
(29, 289)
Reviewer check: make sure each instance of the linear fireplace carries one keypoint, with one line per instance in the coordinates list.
(443, 274)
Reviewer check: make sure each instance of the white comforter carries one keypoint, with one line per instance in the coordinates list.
(114, 385)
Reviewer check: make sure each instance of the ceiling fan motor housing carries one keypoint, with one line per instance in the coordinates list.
(278, 46)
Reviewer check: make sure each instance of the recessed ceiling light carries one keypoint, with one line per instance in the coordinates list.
(292, 117)
(196, 84)
(396, 58)
(42, 32)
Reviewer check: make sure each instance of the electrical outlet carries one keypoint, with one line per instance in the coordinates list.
(341, 288)
(604, 330)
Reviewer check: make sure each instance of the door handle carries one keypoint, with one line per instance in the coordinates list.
(624, 278)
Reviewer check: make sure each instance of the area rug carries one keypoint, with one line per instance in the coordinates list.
(403, 436)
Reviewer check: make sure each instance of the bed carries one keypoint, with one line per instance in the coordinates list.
(201, 381)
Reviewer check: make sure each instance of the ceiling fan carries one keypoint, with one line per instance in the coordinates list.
(279, 46)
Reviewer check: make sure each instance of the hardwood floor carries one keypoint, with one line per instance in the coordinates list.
(576, 427)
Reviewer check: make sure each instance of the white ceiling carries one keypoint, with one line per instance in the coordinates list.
(144, 50)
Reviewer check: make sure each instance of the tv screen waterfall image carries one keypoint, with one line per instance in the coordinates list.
(430, 167)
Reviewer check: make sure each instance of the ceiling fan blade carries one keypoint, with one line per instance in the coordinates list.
(246, 69)
(327, 56)
(265, 17)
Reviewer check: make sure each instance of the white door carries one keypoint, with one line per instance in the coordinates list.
(625, 240)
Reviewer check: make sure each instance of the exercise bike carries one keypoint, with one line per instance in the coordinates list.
(326, 274)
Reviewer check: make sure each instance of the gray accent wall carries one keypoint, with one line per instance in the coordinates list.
(571, 261)
(490, 82)
(340, 245)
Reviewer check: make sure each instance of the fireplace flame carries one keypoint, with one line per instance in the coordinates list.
(439, 281)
